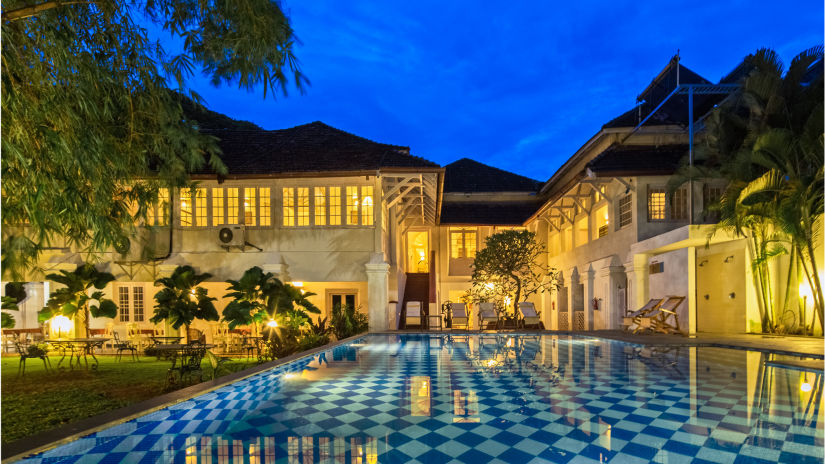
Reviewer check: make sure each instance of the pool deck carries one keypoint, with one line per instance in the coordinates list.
(791, 345)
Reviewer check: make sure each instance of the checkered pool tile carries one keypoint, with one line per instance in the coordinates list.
(486, 398)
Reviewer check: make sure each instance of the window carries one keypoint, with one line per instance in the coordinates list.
(303, 206)
(289, 207)
(335, 206)
(158, 214)
(200, 207)
(601, 221)
(250, 208)
(320, 206)
(232, 206)
(463, 242)
(352, 205)
(265, 209)
(130, 303)
(342, 299)
(217, 207)
(186, 207)
(366, 205)
(711, 195)
(679, 205)
(656, 204)
(625, 211)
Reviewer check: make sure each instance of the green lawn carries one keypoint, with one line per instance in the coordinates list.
(38, 400)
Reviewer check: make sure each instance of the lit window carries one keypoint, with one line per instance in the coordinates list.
(656, 205)
(320, 206)
(158, 214)
(200, 207)
(352, 205)
(265, 207)
(123, 303)
(232, 206)
(335, 206)
(303, 206)
(625, 211)
(217, 207)
(185, 207)
(137, 303)
(250, 213)
(130, 303)
(600, 219)
(679, 205)
(462, 243)
(366, 205)
(289, 207)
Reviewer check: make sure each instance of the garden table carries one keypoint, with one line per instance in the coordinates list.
(186, 360)
(77, 347)
(161, 340)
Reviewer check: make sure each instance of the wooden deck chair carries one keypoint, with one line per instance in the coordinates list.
(486, 314)
(413, 315)
(635, 317)
(667, 320)
(529, 316)
(460, 317)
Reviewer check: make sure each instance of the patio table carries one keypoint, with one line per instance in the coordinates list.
(164, 340)
(186, 360)
(77, 347)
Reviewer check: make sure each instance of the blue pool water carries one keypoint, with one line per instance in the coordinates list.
(479, 398)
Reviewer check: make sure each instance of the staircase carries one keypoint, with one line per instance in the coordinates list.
(417, 289)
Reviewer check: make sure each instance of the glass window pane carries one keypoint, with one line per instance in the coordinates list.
(303, 206)
(185, 207)
(352, 205)
(625, 211)
(232, 206)
(217, 207)
(335, 206)
(250, 211)
(656, 204)
(137, 303)
(289, 207)
(123, 303)
(366, 205)
(200, 207)
(266, 210)
(320, 206)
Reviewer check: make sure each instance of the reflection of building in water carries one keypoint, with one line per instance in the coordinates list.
(420, 397)
(465, 406)
(266, 450)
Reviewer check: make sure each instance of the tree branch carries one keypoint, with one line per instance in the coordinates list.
(28, 11)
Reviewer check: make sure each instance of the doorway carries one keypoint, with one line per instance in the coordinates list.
(418, 246)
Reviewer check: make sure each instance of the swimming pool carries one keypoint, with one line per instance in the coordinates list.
(486, 398)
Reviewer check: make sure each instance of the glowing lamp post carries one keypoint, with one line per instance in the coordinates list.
(61, 323)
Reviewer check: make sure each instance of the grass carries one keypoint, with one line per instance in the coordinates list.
(39, 401)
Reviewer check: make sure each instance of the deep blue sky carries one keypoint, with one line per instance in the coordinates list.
(515, 85)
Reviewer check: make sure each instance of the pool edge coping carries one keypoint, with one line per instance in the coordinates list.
(25, 447)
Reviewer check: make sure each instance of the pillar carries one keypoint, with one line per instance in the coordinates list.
(641, 281)
(589, 294)
(378, 292)
(691, 296)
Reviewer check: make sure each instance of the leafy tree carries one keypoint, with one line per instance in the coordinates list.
(74, 298)
(509, 267)
(259, 297)
(767, 141)
(92, 121)
(182, 300)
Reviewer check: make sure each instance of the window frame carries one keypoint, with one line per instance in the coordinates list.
(131, 297)
(654, 209)
(621, 214)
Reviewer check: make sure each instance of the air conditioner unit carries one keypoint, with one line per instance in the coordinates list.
(231, 236)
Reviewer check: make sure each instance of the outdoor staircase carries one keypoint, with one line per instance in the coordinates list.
(417, 289)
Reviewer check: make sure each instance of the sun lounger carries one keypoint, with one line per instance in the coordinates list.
(459, 316)
(667, 321)
(529, 316)
(487, 314)
(636, 316)
(413, 316)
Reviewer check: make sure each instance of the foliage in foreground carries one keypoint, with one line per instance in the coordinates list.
(182, 300)
(510, 267)
(347, 320)
(92, 123)
(73, 299)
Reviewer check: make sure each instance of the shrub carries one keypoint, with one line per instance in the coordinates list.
(347, 321)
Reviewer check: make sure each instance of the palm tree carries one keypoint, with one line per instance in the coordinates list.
(74, 298)
(767, 141)
(181, 300)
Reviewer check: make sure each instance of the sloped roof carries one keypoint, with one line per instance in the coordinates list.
(638, 159)
(313, 147)
(509, 213)
(470, 176)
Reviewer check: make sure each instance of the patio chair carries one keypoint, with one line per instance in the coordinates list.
(459, 316)
(413, 315)
(26, 354)
(667, 320)
(487, 314)
(159, 331)
(196, 336)
(529, 316)
(636, 317)
(123, 345)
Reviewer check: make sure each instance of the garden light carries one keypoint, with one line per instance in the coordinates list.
(272, 324)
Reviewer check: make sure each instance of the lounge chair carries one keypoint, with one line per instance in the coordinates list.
(529, 316)
(413, 315)
(486, 314)
(667, 321)
(459, 315)
(636, 317)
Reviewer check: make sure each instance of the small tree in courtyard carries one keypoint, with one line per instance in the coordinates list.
(181, 300)
(74, 298)
(509, 267)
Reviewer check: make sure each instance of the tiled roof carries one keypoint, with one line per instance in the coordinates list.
(638, 159)
(487, 213)
(314, 147)
(469, 176)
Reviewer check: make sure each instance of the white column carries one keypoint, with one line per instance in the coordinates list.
(692, 311)
(589, 294)
(641, 282)
(378, 292)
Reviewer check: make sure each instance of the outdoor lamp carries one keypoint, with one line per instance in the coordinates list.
(272, 324)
